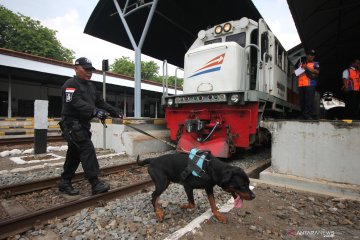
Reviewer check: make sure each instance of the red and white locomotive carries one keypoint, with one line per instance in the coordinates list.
(235, 74)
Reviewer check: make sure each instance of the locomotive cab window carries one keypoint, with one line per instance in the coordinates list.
(239, 38)
(264, 44)
(253, 59)
(216, 40)
(280, 56)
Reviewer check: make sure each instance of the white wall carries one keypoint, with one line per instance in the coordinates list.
(316, 150)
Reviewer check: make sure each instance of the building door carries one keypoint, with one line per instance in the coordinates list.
(3, 104)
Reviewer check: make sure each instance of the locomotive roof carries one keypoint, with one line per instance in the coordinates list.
(331, 27)
(174, 27)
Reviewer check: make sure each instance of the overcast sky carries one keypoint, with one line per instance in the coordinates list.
(69, 17)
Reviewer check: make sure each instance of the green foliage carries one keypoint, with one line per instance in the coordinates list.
(124, 66)
(149, 70)
(23, 34)
(179, 81)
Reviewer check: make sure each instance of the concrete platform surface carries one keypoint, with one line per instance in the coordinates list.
(341, 190)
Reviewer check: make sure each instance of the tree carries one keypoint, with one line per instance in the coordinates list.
(23, 34)
(125, 66)
(149, 70)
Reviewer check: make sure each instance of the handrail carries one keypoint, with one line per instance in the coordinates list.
(258, 64)
(264, 69)
(178, 68)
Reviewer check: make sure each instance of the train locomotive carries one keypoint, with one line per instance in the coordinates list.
(235, 74)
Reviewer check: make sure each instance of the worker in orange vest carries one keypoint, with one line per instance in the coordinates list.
(351, 86)
(307, 84)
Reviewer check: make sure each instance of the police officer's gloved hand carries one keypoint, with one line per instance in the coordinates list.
(101, 114)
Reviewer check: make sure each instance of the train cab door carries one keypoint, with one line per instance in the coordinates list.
(254, 59)
(264, 68)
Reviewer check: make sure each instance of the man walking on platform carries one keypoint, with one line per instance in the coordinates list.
(80, 103)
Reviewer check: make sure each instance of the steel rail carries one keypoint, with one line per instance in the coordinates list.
(25, 222)
(22, 188)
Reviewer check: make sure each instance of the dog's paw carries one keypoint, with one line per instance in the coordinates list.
(221, 218)
(160, 215)
(187, 206)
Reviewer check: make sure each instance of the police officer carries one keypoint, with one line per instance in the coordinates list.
(351, 86)
(307, 83)
(80, 103)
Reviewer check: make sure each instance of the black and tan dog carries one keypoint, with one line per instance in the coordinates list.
(169, 168)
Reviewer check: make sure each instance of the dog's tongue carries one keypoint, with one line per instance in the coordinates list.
(238, 202)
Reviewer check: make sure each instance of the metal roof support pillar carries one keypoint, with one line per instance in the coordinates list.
(137, 48)
(137, 89)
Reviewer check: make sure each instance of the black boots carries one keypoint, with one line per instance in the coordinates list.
(98, 186)
(66, 187)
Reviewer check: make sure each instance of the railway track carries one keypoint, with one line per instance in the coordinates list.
(17, 189)
(20, 224)
(24, 222)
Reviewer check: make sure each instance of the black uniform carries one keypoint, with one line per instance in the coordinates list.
(80, 102)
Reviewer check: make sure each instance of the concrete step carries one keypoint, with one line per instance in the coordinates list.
(137, 143)
(122, 138)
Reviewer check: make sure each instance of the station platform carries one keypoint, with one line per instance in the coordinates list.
(24, 127)
(316, 156)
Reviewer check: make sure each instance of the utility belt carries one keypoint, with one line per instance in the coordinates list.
(73, 131)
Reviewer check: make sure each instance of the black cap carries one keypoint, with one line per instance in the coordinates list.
(311, 52)
(84, 62)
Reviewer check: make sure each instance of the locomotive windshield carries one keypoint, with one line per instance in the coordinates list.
(239, 38)
(216, 40)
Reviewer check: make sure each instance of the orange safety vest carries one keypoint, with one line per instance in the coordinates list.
(353, 81)
(304, 80)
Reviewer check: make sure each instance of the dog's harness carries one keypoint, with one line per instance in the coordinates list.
(195, 164)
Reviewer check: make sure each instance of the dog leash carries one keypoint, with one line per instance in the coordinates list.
(147, 134)
(166, 142)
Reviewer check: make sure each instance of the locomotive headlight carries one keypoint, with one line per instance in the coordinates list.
(218, 29)
(234, 98)
(170, 102)
(227, 27)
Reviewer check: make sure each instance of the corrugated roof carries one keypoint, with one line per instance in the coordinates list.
(174, 27)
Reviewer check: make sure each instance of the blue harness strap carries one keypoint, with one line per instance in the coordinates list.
(195, 165)
(199, 162)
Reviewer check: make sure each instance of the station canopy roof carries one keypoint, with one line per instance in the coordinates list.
(331, 27)
(174, 27)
